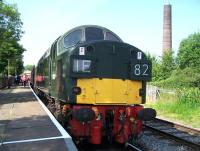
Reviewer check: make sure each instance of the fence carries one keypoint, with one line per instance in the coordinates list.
(4, 81)
(153, 93)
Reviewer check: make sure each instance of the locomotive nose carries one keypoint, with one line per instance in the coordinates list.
(147, 114)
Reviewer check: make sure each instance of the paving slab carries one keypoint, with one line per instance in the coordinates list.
(25, 125)
(48, 145)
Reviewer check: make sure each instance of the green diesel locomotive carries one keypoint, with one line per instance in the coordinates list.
(94, 83)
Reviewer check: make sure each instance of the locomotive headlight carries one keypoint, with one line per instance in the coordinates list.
(81, 66)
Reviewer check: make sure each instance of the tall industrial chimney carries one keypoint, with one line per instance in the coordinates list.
(167, 28)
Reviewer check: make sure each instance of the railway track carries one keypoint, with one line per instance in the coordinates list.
(180, 133)
(109, 147)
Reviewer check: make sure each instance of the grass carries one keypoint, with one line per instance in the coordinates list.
(184, 106)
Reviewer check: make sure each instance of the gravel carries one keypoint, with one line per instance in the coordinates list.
(154, 142)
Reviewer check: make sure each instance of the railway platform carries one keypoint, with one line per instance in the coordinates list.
(27, 125)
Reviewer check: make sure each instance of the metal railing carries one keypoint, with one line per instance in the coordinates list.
(6, 82)
(3, 82)
(153, 92)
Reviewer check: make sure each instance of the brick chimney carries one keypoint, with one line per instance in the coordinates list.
(167, 28)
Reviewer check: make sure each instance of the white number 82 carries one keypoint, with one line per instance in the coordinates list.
(139, 68)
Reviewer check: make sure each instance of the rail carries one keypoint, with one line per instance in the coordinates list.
(183, 134)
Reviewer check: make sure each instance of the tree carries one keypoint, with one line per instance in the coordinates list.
(28, 67)
(156, 65)
(167, 64)
(162, 68)
(189, 52)
(10, 33)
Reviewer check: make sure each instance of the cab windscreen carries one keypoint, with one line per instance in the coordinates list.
(81, 66)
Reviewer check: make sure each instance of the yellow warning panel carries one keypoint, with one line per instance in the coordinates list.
(109, 91)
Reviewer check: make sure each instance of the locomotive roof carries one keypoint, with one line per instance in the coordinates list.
(86, 26)
(47, 53)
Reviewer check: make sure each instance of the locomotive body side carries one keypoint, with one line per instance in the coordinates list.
(96, 84)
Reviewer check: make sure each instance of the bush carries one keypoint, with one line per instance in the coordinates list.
(189, 97)
(183, 106)
(185, 78)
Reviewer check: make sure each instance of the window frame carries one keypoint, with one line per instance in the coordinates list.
(85, 37)
(83, 67)
(82, 74)
(114, 35)
(73, 44)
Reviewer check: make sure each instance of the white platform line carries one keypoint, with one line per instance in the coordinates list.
(56, 123)
(69, 143)
(32, 140)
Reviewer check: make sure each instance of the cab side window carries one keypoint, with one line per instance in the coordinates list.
(73, 38)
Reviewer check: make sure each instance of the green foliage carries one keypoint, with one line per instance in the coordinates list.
(162, 69)
(185, 71)
(10, 22)
(167, 64)
(28, 67)
(156, 68)
(189, 97)
(156, 74)
(10, 33)
(189, 52)
(184, 78)
(183, 106)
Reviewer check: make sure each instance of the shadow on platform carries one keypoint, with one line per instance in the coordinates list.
(16, 96)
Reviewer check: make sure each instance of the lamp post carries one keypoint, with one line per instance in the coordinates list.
(9, 82)
(10, 64)
(8, 67)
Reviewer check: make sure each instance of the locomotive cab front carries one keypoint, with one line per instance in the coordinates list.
(109, 77)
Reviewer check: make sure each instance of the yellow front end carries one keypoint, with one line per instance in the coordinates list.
(109, 91)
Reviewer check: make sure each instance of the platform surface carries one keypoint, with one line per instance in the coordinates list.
(26, 126)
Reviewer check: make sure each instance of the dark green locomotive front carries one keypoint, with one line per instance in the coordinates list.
(96, 83)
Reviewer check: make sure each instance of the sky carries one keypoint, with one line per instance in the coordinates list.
(137, 22)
